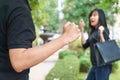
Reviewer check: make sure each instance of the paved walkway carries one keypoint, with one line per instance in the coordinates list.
(39, 71)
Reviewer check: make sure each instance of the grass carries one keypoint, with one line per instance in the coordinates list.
(113, 76)
(82, 76)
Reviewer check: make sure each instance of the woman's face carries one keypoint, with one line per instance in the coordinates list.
(94, 19)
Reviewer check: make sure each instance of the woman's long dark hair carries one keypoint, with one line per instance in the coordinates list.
(102, 19)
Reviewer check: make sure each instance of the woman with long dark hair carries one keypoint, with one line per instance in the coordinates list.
(99, 32)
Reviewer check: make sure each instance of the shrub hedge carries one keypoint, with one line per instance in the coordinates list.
(85, 63)
(65, 53)
(65, 69)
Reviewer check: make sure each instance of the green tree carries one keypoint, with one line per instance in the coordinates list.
(110, 8)
(44, 13)
(74, 10)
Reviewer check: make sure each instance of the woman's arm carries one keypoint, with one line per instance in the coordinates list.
(82, 25)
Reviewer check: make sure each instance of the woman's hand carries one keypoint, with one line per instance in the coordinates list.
(101, 29)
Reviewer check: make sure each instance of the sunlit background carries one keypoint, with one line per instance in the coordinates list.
(49, 17)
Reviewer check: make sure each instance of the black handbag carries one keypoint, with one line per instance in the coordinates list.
(106, 52)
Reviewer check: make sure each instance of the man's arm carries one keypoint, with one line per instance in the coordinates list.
(22, 58)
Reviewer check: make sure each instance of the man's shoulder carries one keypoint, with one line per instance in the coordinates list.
(12, 2)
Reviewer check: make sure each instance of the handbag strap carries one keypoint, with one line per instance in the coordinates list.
(107, 35)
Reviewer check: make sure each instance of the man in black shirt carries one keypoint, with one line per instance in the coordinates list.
(16, 35)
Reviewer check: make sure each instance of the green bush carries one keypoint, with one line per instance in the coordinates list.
(66, 52)
(76, 46)
(118, 42)
(115, 66)
(65, 69)
(85, 64)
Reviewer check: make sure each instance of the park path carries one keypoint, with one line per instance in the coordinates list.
(39, 71)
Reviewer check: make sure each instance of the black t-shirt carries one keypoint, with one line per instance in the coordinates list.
(16, 31)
